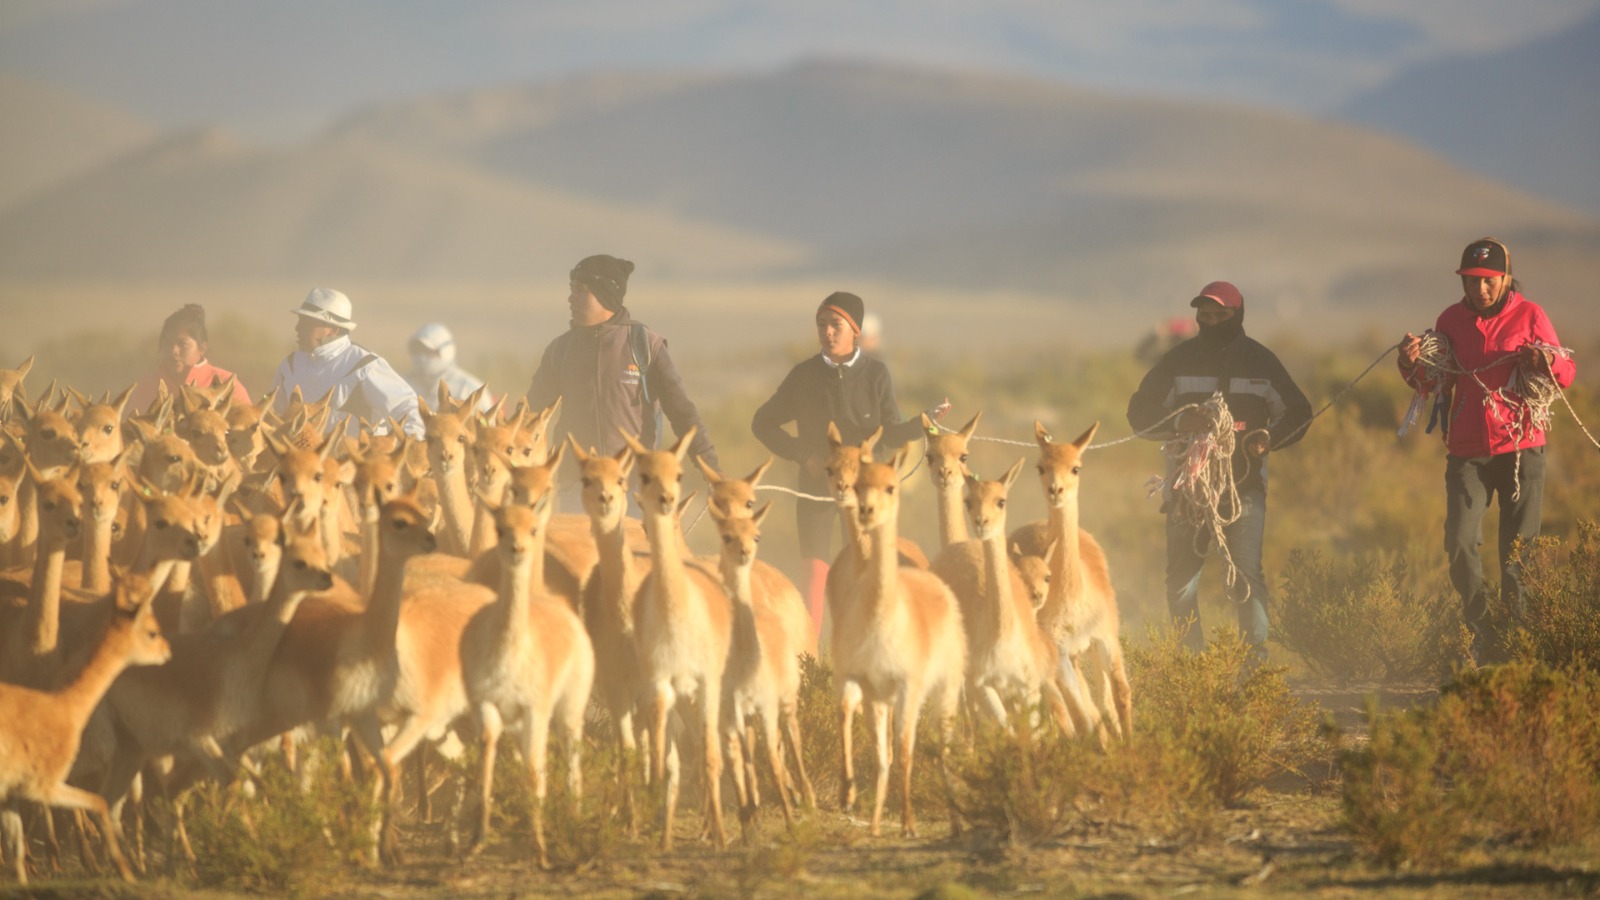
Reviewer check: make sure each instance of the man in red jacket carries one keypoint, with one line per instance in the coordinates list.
(1494, 445)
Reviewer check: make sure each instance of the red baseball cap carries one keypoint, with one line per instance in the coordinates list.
(1222, 293)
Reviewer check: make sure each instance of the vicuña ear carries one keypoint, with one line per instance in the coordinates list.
(712, 475)
(632, 441)
(761, 513)
(1084, 439)
(681, 448)
(1011, 473)
(1040, 434)
(870, 442)
(754, 478)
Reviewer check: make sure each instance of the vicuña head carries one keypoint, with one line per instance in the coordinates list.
(660, 474)
(845, 461)
(1060, 464)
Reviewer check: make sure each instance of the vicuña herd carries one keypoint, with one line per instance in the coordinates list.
(188, 589)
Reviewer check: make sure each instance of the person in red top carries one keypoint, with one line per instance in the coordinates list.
(1494, 447)
(182, 348)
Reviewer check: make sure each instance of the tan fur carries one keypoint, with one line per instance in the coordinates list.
(609, 601)
(34, 762)
(450, 434)
(897, 643)
(1080, 613)
(101, 484)
(947, 467)
(1010, 661)
(100, 429)
(11, 387)
(736, 498)
(763, 671)
(32, 648)
(843, 467)
(683, 629)
(337, 662)
(526, 661)
(211, 688)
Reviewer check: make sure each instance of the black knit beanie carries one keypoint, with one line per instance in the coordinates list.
(847, 305)
(606, 277)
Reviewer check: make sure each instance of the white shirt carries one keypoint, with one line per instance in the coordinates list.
(364, 386)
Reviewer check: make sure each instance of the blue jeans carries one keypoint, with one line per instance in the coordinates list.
(1469, 485)
(1186, 555)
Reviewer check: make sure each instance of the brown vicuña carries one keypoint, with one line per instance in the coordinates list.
(736, 498)
(762, 678)
(41, 732)
(947, 467)
(1010, 661)
(211, 688)
(527, 661)
(1080, 613)
(897, 643)
(609, 607)
(683, 626)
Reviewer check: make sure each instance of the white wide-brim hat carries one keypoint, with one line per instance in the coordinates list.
(328, 306)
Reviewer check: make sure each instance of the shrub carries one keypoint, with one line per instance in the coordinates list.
(1234, 721)
(1356, 619)
(295, 832)
(1509, 754)
(1209, 728)
(1561, 624)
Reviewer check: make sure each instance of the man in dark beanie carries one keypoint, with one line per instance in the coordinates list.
(1269, 413)
(612, 372)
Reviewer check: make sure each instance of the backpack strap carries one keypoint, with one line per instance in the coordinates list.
(362, 363)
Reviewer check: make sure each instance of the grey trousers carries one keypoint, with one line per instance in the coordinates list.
(1469, 484)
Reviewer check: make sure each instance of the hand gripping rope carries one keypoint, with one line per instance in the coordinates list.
(1523, 404)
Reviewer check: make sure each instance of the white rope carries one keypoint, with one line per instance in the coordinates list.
(1523, 403)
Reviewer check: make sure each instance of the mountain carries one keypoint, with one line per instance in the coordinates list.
(920, 180)
(53, 135)
(1531, 113)
(955, 179)
(203, 205)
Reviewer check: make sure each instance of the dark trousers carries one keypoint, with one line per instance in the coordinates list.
(1469, 485)
(1186, 555)
(815, 523)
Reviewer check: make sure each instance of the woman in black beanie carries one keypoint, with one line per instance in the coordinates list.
(842, 386)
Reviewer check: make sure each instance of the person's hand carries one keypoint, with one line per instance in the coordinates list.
(1410, 349)
(1539, 357)
(1190, 422)
(1258, 443)
(939, 410)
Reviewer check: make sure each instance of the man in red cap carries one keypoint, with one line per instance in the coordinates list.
(1269, 413)
(1492, 442)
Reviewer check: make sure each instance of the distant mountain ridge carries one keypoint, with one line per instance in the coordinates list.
(901, 175)
(1537, 106)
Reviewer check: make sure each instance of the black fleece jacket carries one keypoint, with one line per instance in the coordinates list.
(857, 398)
(1259, 394)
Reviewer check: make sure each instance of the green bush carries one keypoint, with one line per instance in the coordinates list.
(1209, 729)
(1510, 754)
(293, 834)
(1561, 624)
(1234, 722)
(1356, 618)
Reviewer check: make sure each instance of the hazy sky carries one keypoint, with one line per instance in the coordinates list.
(285, 66)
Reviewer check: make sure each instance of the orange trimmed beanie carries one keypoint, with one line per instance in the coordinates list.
(847, 305)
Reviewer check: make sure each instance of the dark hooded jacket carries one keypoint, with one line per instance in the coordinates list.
(1257, 389)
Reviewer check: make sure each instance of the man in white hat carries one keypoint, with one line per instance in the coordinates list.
(364, 385)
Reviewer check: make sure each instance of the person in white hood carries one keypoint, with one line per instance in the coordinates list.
(364, 385)
(433, 359)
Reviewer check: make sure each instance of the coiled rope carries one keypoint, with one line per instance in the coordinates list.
(1523, 403)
